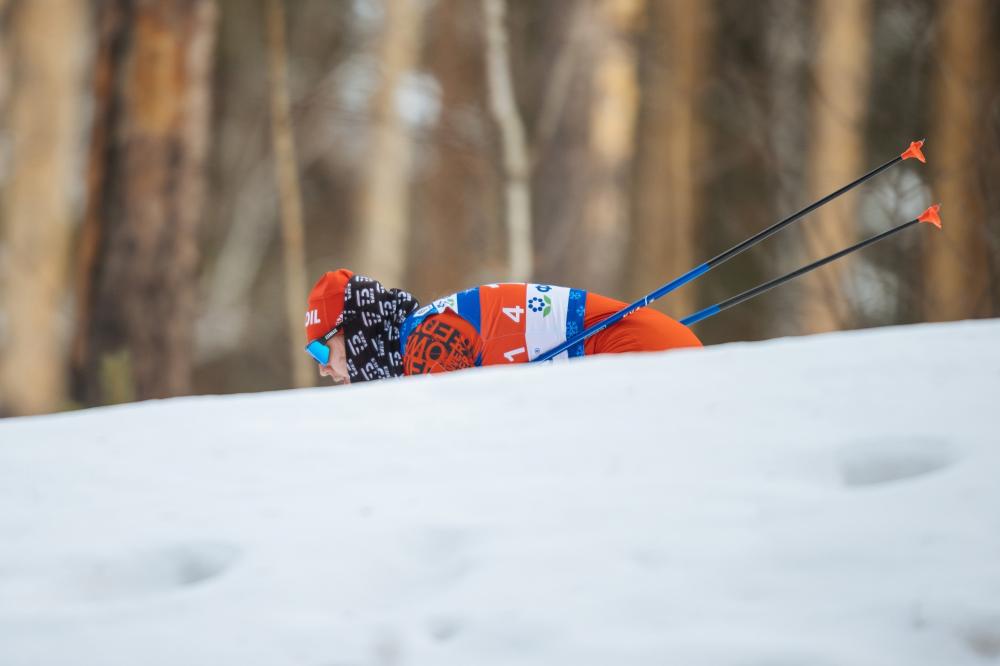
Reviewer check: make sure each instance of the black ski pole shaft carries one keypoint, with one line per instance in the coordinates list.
(930, 216)
(912, 152)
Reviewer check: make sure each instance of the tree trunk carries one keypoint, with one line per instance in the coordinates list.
(286, 173)
(957, 275)
(455, 197)
(516, 165)
(788, 78)
(611, 141)
(670, 148)
(139, 250)
(384, 208)
(839, 106)
(47, 57)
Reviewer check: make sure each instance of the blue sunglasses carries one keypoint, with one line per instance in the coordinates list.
(318, 349)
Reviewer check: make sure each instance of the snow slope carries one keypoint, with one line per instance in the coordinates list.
(823, 501)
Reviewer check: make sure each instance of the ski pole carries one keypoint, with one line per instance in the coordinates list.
(914, 151)
(930, 216)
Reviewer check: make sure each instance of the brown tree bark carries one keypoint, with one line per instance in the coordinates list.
(843, 59)
(787, 68)
(583, 117)
(139, 248)
(670, 148)
(46, 59)
(384, 207)
(454, 199)
(287, 177)
(611, 140)
(957, 275)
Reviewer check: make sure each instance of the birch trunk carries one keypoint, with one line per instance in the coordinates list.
(516, 164)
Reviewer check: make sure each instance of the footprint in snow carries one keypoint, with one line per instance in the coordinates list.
(982, 636)
(117, 577)
(874, 461)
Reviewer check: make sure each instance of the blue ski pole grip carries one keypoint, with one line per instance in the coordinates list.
(701, 314)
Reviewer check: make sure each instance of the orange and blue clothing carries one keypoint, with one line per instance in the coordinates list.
(501, 324)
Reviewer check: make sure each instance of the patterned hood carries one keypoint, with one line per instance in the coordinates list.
(373, 316)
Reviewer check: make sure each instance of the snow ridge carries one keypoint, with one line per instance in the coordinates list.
(829, 500)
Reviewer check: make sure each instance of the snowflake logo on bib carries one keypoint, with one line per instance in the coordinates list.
(536, 304)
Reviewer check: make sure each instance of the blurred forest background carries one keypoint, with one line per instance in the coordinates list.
(175, 174)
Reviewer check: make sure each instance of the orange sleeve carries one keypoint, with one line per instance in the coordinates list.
(441, 343)
(643, 330)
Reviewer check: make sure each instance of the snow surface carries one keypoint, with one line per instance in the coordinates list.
(821, 501)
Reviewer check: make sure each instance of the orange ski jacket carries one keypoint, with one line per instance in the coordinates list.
(504, 324)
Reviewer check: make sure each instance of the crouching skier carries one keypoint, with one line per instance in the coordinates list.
(359, 331)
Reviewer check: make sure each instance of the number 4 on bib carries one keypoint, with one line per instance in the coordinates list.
(514, 313)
